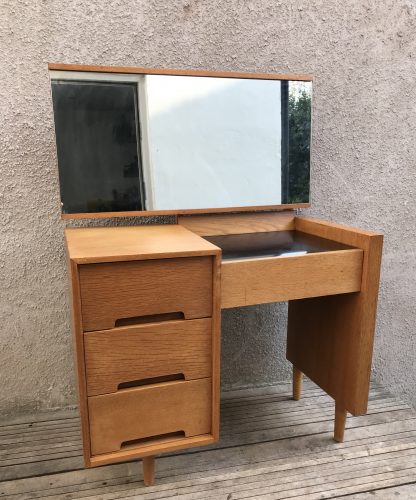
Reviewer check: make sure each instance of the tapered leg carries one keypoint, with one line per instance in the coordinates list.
(297, 383)
(340, 419)
(149, 471)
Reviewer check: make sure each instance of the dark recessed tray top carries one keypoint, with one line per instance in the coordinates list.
(272, 244)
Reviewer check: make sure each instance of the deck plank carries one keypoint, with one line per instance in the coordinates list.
(406, 491)
(271, 448)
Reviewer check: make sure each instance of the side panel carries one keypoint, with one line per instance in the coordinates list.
(330, 339)
(78, 343)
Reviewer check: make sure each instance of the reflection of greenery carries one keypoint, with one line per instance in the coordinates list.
(299, 146)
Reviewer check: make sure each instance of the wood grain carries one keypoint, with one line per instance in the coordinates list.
(258, 281)
(112, 291)
(216, 345)
(111, 244)
(149, 471)
(179, 72)
(147, 351)
(145, 412)
(210, 225)
(297, 383)
(78, 350)
(339, 423)
(147, 273)
(157, 447)
(330, 339)
(342, 233)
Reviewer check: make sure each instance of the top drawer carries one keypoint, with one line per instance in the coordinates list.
(122, 290)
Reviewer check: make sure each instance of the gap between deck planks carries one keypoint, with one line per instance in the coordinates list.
(271, 448)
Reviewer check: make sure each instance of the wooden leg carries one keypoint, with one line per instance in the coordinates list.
(339, 427)
(297, 383)
(149, 471)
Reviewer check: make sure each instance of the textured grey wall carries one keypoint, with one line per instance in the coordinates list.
(363, 57)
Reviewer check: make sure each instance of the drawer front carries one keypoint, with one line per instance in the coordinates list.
(121, 290)
(257, 281)
(148, 412)
(134, 353)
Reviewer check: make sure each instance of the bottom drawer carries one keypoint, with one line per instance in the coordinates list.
(138, 415)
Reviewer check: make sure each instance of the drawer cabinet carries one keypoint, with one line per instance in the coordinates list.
(146, 334)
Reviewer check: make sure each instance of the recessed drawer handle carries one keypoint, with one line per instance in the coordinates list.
(148, 381)
(151, 439)
(152, 318)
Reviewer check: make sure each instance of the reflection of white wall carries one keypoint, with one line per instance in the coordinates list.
(213, 142)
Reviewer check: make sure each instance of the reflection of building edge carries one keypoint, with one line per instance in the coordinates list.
(284, 99)
(142, 185)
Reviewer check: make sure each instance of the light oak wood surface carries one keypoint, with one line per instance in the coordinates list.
(216, 345)
(216, 224)
(179, 275)
(217, 210)
(297, 384)
(330, 339)
(258, 281)
(147, 351)
(342, 233)
(112, 244)
(181, 72)
(78, 349)
(119, 290)
(149, 411)
(332, 295)
(149, 471)
(156, 447)
(339, 422)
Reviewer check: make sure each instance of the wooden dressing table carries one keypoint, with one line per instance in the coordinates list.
(147, 303)
(227, 155)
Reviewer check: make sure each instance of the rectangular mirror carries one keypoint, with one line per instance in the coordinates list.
(177, 143)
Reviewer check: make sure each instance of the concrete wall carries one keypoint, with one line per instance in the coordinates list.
(362, 54)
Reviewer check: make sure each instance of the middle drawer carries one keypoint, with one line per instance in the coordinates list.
(134, 353)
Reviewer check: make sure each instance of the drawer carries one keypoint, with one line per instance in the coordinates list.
(134, 353)
(122, 290)
(139, 415)
(262, 280)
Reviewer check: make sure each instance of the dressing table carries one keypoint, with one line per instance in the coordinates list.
(147, 300)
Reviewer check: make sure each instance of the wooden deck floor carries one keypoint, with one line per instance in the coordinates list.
(271, 448)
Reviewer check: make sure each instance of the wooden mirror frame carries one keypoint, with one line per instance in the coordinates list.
(179, 72)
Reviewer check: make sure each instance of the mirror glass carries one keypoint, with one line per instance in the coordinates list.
(160, 142)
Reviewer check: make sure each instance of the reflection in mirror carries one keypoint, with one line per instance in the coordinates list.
(272, 244)
(97, 146)
(160, 142)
